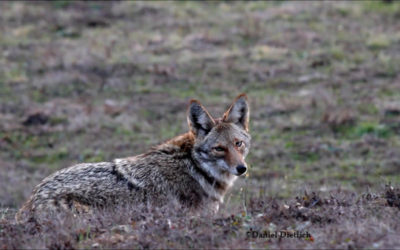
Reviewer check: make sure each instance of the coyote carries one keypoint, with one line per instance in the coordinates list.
(196, 169)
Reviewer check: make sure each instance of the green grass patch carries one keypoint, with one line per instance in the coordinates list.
(382, 7)
(89, 155)
(60, 4)
(365, 128)
(379, 130)
(50, 158)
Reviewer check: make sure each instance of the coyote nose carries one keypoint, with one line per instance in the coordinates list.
(241, 169)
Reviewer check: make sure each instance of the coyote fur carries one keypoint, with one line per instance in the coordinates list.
(196, 168)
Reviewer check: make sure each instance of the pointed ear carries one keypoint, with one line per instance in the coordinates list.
(199, 120)
(239, 112)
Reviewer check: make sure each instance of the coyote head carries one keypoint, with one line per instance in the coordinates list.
(222, 144)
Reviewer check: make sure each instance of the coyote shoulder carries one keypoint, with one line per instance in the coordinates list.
(197, 168)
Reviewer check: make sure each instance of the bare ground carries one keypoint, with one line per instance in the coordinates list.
(83, 82)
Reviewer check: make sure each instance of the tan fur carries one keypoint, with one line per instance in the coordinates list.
(196, 168)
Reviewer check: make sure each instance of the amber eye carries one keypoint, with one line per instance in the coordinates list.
(219, 149)
(239, 144)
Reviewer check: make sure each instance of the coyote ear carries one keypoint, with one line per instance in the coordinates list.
(239, 112)
(199, 120)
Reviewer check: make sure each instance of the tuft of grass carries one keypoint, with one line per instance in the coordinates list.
(378, 42)
(369, 109)
(337, 53)
(378, 130)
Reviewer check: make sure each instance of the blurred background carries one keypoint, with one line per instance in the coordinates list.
(94, 81)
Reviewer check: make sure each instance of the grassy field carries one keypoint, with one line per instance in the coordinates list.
(88, 82)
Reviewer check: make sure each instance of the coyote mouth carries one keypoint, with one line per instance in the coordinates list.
(242, 174)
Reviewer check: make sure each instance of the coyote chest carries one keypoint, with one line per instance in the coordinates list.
(196, 168)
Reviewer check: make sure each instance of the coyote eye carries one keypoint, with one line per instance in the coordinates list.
(239, 144)
(219, 149)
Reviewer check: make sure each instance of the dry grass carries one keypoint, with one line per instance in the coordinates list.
(340, 219)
